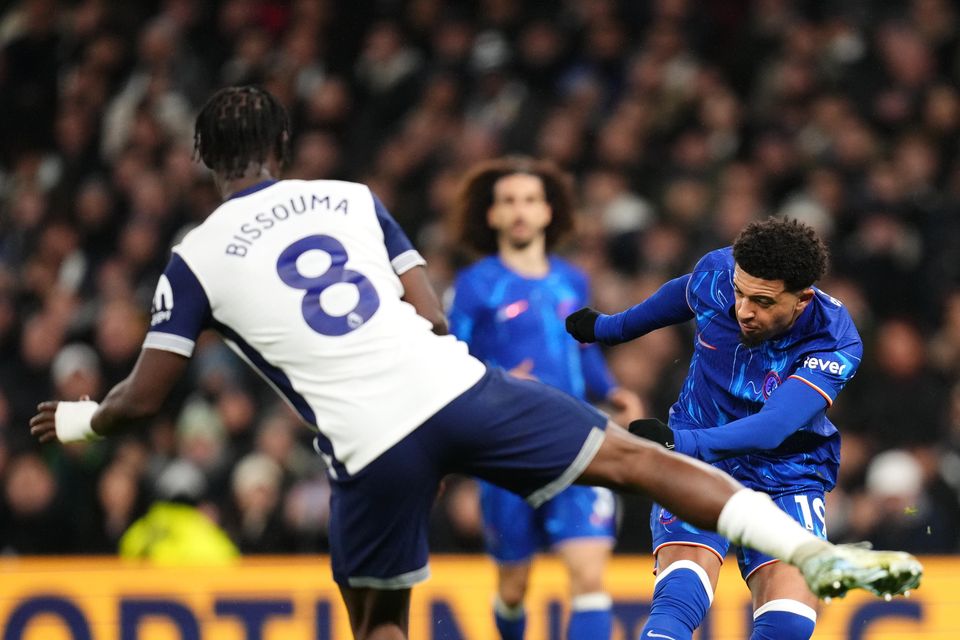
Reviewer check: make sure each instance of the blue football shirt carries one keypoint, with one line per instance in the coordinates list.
(728, 380)
(507, 318)
(796, 376)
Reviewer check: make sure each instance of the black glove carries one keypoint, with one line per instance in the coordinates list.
(653, 430)
(581, 324)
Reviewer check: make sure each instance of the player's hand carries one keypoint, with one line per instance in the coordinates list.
(43, 426)
(653, 430)
(581, 324)
(64, 421)
(627, 406)
(523, 370)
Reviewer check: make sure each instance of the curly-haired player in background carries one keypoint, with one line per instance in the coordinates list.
(510, 307)
(316, 286)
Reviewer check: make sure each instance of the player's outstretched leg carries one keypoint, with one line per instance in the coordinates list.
(710, 499)
(833, 571)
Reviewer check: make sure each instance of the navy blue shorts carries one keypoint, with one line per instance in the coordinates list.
(521, 435)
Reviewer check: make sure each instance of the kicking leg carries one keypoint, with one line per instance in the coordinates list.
(377, 614)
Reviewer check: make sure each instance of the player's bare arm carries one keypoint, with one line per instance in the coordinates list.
(418, 291)
(139, 396)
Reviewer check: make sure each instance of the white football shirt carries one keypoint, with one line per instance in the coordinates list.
(301, 280)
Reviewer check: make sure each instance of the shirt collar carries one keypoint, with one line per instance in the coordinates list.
(252, 189)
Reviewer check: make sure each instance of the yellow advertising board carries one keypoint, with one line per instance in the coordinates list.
(294, 598)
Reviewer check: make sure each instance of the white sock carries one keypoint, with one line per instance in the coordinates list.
(505, 611)
(789, 606)
(597, 601)
(752, 519)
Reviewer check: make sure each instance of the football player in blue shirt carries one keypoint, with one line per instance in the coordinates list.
(316, 286)
(771, 353)
(510, 308)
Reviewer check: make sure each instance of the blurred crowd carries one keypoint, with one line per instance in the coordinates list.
(681, 121)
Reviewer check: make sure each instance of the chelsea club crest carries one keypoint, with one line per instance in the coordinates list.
(770, 383)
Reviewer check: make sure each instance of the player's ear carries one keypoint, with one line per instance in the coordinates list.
(804, 298)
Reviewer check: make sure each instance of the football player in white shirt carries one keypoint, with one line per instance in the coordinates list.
(319, 290)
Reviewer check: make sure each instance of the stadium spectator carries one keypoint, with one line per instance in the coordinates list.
(174, 531)
(256, 520)
(119, 503)
(32, 519)
(901, 402)
(900, 508)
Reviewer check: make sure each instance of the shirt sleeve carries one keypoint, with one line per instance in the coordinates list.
(596, 376)
(181, 310)
(402, 255)
(464, 309)
(827, 372)
(665, 307)
(793, 406)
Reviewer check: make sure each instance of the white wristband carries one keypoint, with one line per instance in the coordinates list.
(73, 421)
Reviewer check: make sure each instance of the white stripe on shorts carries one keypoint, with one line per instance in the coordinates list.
(583, 459)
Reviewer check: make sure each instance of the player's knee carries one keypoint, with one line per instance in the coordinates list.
(512, 598)
(783, 620)
(512, 590)
(586, 582)
(586, 577)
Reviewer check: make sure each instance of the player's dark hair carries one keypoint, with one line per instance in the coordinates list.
(240, 126)
(780, 249)
(475, 197)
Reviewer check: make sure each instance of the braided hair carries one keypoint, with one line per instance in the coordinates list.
(239, 127)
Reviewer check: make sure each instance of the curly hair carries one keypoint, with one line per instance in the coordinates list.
(240, 126)
(475, 197)
(781, 249)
